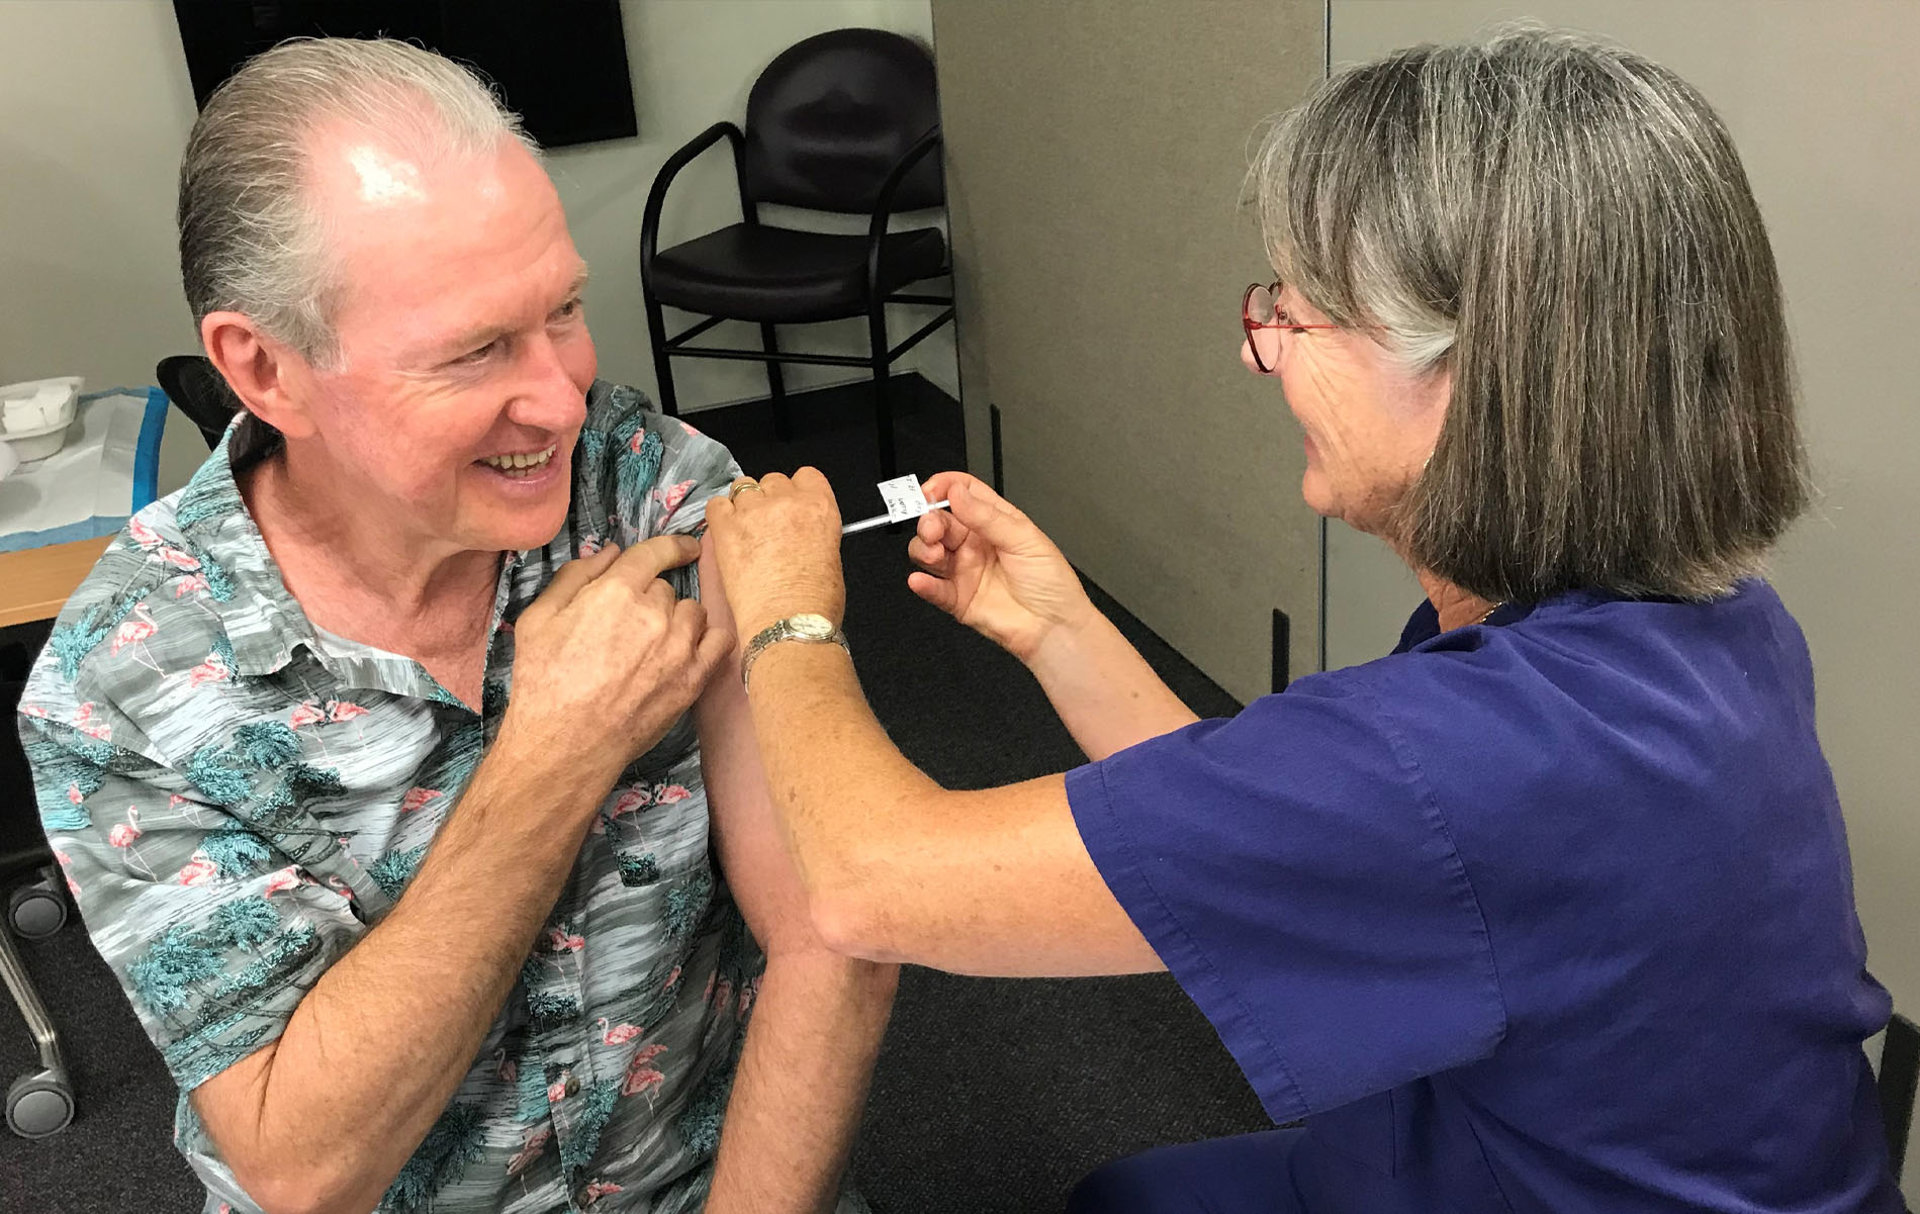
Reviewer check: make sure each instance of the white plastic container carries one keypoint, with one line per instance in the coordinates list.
(34, 416)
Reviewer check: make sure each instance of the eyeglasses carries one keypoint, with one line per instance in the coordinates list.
(1261, 316)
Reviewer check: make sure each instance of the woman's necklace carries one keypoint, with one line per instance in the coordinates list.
(1489, 615)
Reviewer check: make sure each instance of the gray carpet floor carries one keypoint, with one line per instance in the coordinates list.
(990, 1095)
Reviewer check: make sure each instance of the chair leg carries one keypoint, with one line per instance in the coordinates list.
(662, 358)
(776, 387)
(882, 399)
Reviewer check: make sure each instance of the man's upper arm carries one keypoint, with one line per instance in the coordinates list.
(754, 857)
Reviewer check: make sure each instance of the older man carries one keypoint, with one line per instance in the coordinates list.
(368, 754)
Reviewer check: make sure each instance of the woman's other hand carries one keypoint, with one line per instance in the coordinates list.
(777, 540)
(984, 563)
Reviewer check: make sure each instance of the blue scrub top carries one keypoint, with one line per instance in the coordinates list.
(1552, 913)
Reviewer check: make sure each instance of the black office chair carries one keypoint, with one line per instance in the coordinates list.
(39, 1102)
(1899, 1082)
(845, 121)
(199, 391)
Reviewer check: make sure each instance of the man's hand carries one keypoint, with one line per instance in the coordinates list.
(778, 544)
(985, 564)
(607, 649)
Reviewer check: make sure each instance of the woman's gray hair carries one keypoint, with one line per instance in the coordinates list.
(250, 238)
(1566, 228)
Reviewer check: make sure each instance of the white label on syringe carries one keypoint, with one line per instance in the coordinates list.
(903, 498)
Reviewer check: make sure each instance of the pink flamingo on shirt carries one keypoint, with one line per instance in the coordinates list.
(563, 942)
(641, 1075)
(285, 879)
(344, 710)
(84, 722)
(418, 797)
(213, 670)
(135, 632)
(142, 534)
(198, 871)
(123, 834)
(630, 800)
(529, 1151)
(619, 1034)
(671, 498)
(307, 713)
(597, 1189)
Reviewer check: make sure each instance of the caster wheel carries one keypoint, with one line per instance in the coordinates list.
(39, 1106)
(37, 910)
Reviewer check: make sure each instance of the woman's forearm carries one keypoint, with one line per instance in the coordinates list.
(1103, 689)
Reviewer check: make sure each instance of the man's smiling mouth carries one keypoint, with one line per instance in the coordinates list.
(518, 466)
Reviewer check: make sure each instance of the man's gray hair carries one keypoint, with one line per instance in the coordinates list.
(250, 238)
(1566, 228)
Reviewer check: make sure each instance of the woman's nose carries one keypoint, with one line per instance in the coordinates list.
(1246, 357)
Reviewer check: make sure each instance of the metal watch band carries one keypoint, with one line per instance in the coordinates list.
(784, 630)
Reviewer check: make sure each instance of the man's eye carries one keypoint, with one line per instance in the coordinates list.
(477, 355)
(568, 310)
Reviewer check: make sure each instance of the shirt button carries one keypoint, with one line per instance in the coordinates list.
(573, 1085)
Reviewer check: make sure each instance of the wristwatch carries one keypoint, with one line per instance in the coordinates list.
(806, 627)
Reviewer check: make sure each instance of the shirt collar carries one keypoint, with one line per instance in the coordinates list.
(263, 621)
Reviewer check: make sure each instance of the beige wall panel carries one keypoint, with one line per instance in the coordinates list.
(1824, 103)
(1096, 167)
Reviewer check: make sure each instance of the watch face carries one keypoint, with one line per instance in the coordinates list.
(810, 625)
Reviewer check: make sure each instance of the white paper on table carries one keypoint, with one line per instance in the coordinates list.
(90, 477)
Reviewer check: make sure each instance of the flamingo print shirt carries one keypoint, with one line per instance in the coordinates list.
(237, 797)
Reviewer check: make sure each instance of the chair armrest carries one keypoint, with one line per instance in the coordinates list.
(657, 195)
(883, 204)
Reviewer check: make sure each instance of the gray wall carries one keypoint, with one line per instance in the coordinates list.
(98, 105)
(1824, 102)
(1095, 171)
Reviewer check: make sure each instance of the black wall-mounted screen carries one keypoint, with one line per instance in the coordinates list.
(561, 64)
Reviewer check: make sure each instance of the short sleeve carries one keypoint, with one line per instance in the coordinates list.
(1291, 867)
(215, 936)
(658, 472)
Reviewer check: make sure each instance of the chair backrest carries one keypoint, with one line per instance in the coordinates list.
(833, 114)
(197, 389)
(1899, 1081)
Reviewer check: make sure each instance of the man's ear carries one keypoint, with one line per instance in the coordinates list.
(265, 373)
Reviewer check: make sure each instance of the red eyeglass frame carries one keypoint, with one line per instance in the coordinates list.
(1248, 323)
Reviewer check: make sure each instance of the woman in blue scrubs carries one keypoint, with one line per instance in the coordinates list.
(1551, 908)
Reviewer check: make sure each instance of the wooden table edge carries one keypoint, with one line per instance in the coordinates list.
(35, 582)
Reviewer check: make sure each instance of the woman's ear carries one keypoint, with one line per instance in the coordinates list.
(262, 371)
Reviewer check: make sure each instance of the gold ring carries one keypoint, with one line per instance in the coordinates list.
(740, 487)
